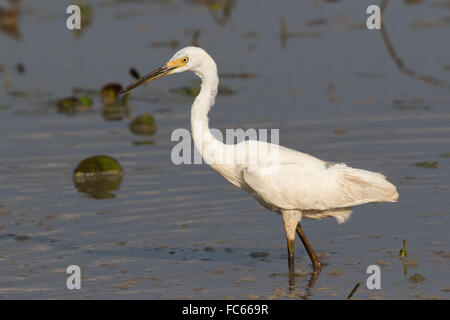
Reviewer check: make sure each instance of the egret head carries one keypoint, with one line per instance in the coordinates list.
(189, 58)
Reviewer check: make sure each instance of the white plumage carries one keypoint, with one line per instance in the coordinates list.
(283, 180)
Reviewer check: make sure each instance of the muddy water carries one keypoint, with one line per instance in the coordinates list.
(332, 88)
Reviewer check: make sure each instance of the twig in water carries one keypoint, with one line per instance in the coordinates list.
(354, 290)
(399, 62)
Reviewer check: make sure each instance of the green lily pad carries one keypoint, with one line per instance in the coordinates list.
(85, 101)
(85, 104)
(97, 166)
(143, 124)
(427, 164)
(445, 155)
(98, 176)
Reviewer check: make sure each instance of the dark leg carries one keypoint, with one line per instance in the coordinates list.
(290, 245)
(316, 264)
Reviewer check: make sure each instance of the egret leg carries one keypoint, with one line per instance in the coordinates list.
(316, 264)
(290, 245)
(290, 221)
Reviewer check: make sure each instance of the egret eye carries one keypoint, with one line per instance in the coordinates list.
(185, 59)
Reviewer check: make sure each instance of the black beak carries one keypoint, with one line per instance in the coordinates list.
(158, 73)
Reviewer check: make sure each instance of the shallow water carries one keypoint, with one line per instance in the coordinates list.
(182, 231)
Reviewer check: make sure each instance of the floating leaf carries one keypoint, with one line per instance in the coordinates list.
(97, 166)
(427, 164)
(417, 278)
(97, 176)
(143, 124)
(85, 101)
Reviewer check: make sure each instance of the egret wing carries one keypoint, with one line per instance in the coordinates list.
(313, 186)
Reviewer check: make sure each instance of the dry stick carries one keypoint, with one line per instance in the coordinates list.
(353, 291)
(398, 61)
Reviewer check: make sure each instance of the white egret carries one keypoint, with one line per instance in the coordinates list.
(283, 180)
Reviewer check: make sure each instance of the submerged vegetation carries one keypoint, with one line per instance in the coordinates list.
(427, 164)
(194, 90)
(74, 104)
(114, 107)
(417, 278)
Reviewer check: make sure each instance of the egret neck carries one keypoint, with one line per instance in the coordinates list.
(207, 145)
